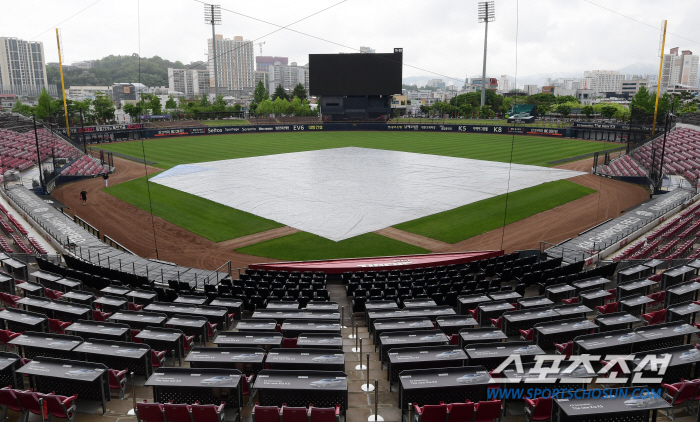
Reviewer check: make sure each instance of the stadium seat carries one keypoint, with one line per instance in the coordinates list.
(266, 413)
(60, 406)
(8, 401)
(150, 412)
(29, 402)
(208, 412)
(117, 381)
(539, 409)
(566, 349)
(460, 412)
(324, 414)
(430, 413)
(177, 412)
(679, 393)
(294, 414)
(487, 411)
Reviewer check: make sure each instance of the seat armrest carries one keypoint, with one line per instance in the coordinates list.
(417, 409)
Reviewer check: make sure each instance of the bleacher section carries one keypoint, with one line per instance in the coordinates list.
(682, 156)
(85, 166)
(622, 166)
(674, 239)
(262, 121)
(18, 150)
(19, 234)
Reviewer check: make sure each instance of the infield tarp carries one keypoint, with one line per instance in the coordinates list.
(345, 192)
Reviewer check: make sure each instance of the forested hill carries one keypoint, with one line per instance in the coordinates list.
(111, 69)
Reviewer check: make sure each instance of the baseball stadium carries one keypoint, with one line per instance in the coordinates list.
(351, 264)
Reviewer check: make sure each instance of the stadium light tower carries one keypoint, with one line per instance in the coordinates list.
(212, 15)
(487, 13)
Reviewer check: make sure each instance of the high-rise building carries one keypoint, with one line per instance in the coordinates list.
(603, 80)
(287, 75)
(505, 84)
(679, 69)
(189, 82)
(262, 63)
(22, 67)
(436, 83)
(235, 64)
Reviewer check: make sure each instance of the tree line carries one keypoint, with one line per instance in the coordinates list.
(281, 103)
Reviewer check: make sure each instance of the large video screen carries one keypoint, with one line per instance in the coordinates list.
(355, 74)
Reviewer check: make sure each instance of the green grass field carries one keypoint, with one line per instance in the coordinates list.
(480, 217)
(209, 219)
(234, 122)
(304, 246)
(219, 223)
(169, 152)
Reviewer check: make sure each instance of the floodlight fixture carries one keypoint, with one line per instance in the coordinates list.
(487, 13)
(212, 16)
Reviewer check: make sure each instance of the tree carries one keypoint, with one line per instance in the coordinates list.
(42, 109)
(608, 110)
(170, 104)
(204, 101)
(299, 92)
(279, 93)
(543, 109)
(260, 94)
(425, 109)
(643, 100)
(485, 111)
(281, 106)
(154, 105)
(103, 107)
(265, 108)
(133, 110)
(566, 99)
(564, 109)
(219, 104)
(588, 111)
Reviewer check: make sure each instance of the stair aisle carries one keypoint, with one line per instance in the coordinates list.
(360, 403)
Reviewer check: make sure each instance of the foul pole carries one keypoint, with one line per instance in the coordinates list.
(63, 86)
(658, 84)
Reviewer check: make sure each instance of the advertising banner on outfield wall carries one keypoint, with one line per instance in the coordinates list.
(333, 127)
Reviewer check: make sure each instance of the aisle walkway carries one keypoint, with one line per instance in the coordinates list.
(361, 404)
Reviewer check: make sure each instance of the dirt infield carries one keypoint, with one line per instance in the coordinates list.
(132, 226)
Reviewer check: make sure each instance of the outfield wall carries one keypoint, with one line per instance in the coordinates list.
(337, 127)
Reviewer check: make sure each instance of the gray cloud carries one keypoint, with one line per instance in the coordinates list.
(441, 36)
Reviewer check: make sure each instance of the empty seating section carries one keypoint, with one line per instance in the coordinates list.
(682, 155)
(674, 239)
(18, 233)
(18, 150)
(257, 287)
(85, 166)
(623, 166)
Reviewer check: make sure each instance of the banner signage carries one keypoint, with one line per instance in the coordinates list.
(594, 125)
(104, 128)
(334, 127)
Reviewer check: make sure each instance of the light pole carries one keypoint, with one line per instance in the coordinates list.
(38, 155)
(212, 15)
(487, 13)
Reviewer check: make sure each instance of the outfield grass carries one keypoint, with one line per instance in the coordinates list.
(169, 152)
(483, 216)
(304, 246)
(233, 122)
(209, 219)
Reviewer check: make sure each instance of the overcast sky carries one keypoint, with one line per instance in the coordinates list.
(439, 37)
